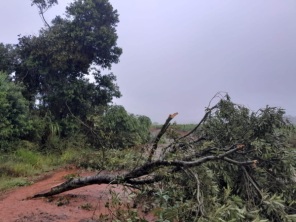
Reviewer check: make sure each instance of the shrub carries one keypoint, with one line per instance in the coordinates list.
(119, 129)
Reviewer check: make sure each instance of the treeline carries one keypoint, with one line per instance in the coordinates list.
(46, 94)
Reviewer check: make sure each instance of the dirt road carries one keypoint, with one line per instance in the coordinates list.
(85, 204)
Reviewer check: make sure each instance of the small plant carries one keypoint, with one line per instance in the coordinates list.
(86, 206)
(121, 209)
(62, 201)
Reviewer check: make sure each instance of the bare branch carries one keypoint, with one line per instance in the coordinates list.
(208, 111)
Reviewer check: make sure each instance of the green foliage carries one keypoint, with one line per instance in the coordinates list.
(7, 58)
(54, 64)
(81, 157)
(24, 162)
(119, 129)
(7, 182)
(292, 138)
(229, 189)
(14, 111)
(126, 159)
(56, 97)
(263, 134)
(44, 5)
(120, 211)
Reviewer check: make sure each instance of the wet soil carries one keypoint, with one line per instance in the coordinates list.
(84, 204)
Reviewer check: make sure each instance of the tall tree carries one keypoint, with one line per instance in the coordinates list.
(53, 65)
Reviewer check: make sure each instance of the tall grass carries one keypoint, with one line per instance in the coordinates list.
(20, 166)
(17, 167)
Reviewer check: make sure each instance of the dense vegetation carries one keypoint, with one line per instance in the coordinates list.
(45, 93)
(235, 165)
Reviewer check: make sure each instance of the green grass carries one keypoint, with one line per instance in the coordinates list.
(22, 164)
(7, 182)
(26, 162)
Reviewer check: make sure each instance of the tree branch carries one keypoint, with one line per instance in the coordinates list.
(252, 181)
(75, 183)
(152, 166)
(132, 176)
(208, 111)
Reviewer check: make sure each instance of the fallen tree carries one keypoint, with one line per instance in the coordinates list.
(235, 150)
(146, 169)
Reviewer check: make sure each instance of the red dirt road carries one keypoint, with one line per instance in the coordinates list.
(85, 204)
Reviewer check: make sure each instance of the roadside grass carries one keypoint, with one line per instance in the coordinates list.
(20, 167)
(17, 167)
(7, 182)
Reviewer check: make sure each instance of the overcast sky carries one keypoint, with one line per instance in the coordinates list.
(178, 54)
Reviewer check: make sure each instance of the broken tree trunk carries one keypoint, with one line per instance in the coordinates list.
(160, 134)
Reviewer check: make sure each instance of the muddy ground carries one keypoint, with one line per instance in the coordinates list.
(85, 204)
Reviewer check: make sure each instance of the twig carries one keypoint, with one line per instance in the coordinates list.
(237, 162)
(208, 111)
